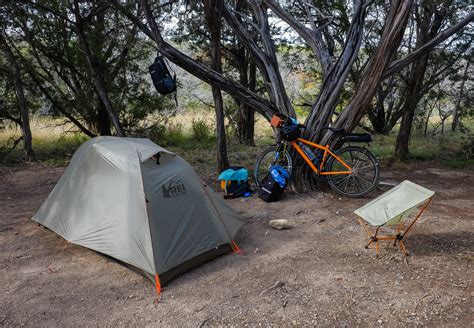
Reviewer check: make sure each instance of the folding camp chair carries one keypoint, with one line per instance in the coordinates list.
(394, 207)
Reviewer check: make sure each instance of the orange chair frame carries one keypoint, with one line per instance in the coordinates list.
(399, 236)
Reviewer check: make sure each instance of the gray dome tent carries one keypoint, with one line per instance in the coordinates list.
(115, 198)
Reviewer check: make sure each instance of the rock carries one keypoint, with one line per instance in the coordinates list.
(279, 224)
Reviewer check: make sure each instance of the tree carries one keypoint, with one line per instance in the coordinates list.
(264, 55)
(54, 56)
(213, 12)
(430, 16)
(94, 66)
(16, 76)
(457, 109)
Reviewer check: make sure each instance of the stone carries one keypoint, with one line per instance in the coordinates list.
(279, 224)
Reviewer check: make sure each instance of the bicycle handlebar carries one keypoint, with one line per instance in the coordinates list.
(289, 120)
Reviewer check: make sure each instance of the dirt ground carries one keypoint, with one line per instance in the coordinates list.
(320, 272)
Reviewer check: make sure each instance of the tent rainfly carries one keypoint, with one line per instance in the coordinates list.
(141, 204)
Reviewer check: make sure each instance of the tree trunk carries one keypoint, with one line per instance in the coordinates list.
(409, 107)
(457, 106)
(21, 98)
(103, 121)
(247, 113)
(213, 10)
(97, 79)
(429, 22)
(371, 78)
(374, 72)
(323, 109)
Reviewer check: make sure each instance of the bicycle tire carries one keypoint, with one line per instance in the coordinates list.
(363, 179)
(268, 158)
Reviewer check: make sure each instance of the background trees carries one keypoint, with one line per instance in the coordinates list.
(86, 64)
(374, 64)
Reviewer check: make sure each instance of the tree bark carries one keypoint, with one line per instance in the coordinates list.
(97, 79)
(246, 122)
(312, 36)
(264, 55)
(213, 12)
(247, 78)
(374, 72)
(457, 106)
(323, 109)
(103, 120)
(21, 98)
(409, 107)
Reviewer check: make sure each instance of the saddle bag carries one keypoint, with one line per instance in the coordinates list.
(357, 137)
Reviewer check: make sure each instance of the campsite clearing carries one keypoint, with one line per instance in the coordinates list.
(316, 273)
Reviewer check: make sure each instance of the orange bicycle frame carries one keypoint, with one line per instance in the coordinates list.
(326, 154)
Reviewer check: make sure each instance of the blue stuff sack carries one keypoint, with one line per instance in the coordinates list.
(280, 175)
(234, 182)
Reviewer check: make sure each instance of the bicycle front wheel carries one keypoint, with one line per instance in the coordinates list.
(271, 156)
(365, 172)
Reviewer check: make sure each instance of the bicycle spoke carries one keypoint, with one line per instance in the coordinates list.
(364, 172)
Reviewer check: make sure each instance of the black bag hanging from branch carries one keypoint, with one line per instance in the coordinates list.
(162, 80)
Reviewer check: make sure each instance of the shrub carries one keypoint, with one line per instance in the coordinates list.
(201, 130)
(174, 135)
(157, 134)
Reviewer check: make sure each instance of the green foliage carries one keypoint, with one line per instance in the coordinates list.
(56, 72)
(48, 149)
(200, 129)
(452, 150)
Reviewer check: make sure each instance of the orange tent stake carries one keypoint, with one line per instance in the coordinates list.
(157, 284)
(235, 248)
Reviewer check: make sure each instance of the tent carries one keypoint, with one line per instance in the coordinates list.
(141, 204)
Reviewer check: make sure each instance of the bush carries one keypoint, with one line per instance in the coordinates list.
(201, 130)
(157, 134)
(174, 135)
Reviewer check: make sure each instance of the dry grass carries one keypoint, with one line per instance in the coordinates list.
(55, 141)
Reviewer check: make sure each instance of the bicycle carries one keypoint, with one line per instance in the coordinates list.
(351, 171)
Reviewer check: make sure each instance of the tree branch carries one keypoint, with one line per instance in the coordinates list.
(192, 66)
(312, 37)
(440, 37)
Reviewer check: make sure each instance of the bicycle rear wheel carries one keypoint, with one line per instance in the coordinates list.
(365, 172)
(271, 156)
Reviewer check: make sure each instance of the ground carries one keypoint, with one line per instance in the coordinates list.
(316, 273)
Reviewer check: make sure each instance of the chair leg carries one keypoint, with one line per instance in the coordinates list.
(370, 243)
(402, 247)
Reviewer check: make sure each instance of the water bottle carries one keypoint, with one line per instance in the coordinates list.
(312, 157)
(319, 157)
(307, 151)
(278, 177)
